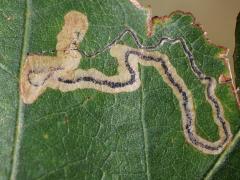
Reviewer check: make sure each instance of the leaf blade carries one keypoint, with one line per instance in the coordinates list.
(11, 19)
(227, 165)
(103, 134)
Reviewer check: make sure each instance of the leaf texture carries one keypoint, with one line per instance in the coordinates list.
(89, 134)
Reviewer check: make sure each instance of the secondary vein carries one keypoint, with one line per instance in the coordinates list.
(21, 106)
(144, 128)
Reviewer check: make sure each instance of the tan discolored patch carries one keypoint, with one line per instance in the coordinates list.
(73, 31)
(39, 71)
(62, 72)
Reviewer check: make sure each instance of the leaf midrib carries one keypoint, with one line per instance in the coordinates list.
(21, 106)
(144, 128)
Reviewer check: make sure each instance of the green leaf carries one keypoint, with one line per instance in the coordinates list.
(228, 168)
(89, 134)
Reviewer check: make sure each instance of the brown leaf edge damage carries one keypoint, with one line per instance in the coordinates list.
(153, 21)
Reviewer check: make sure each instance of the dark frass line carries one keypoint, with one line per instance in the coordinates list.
(198, 73)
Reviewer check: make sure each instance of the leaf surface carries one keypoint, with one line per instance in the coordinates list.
(88, 134)
(228, 166)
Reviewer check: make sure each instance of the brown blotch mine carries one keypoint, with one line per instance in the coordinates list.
(38, 68)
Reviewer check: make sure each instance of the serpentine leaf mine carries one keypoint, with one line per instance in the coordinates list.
(61, 72)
